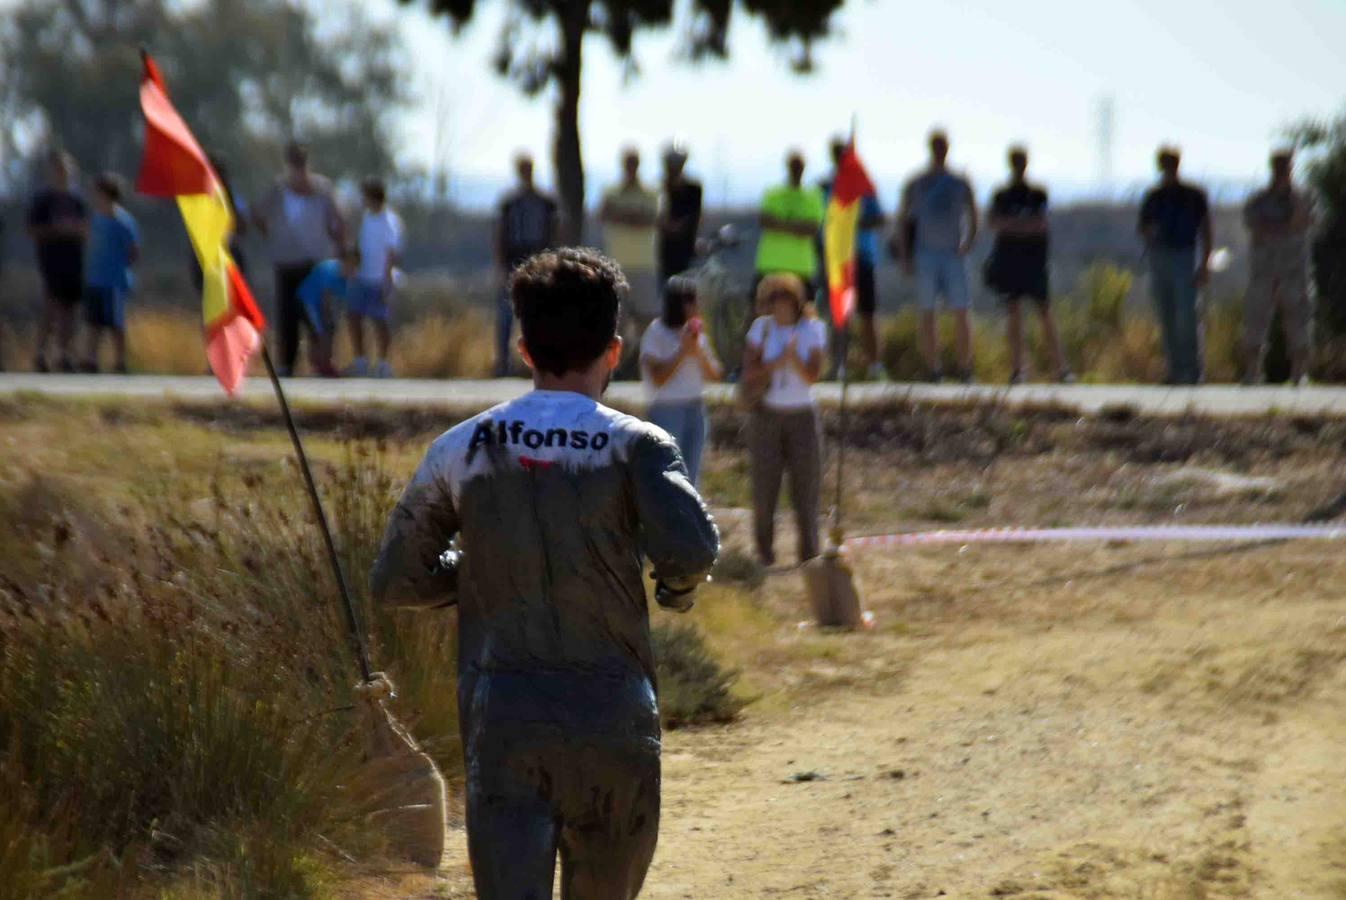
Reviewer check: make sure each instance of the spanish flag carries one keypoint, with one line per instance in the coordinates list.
(840, 225)
(174, 165)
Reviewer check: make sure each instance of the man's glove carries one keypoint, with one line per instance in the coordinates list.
(672, 599)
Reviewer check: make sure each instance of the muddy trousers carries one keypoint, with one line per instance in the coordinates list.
(549, 783)
(780, 442)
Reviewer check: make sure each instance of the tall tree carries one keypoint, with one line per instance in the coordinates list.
(542, 46)
(247, 74)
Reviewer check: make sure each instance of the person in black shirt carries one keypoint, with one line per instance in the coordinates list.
(1017, 268)
(1174, 216)
(526, 226)
(680, 218)
(58, 222)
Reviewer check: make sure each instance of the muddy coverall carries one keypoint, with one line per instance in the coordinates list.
(556, 503)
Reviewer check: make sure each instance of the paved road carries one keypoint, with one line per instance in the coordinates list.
(1223, 400)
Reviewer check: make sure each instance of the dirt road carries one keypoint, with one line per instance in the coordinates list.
(1044, 730)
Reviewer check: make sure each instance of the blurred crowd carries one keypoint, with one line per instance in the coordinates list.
(328, 271)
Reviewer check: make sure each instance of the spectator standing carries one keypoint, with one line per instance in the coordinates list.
(866, 264)
(676, 360)
(1174, 218)
(526, 226)
(1279, 218)
(785, 348)
(630, 217)
(301, 222)
(939, 208)
(114, 247)
(1017, 269)
(790, 217)
(380, 245)
(58, 223)
(680, 218)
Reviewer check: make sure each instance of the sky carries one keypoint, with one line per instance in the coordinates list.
(1220, 78)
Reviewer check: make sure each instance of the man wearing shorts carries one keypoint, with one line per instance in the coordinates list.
(942, 210)
(866, 263)
(1017, 268)
(380, 245)
(557, 504)
(114, 247)
(1279, 219)
(58, 223)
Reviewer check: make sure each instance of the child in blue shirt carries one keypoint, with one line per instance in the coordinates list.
(114, 247)
(330, 278)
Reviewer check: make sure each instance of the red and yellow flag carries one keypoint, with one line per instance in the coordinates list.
(174, 165)
(840, 227)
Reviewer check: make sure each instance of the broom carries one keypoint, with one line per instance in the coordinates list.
(403, 782)
(829, 579)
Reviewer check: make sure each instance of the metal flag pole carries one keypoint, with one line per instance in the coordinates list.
(357, 637)
(407, 778)
(843, 375)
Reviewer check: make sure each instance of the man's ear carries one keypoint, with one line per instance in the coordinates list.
(523, 351)
(614, 354)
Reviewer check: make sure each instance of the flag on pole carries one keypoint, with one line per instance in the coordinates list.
(174, 165)
(840, 227)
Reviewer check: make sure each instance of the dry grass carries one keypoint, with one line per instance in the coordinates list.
(170, 666)
(1105, 336)
(174, 674)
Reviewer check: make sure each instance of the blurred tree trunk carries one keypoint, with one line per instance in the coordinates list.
(567, 157)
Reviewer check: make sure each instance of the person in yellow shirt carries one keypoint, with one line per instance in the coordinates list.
(790, 217)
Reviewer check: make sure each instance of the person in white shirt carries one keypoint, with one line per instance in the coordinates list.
(785, 353)
(676, 360)
(380, 243)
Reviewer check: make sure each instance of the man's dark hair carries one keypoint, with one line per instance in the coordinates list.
(568, 302)
(109, 185)
(374, 189)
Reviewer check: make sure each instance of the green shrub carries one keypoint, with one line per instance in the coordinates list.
(737, 567)
(694, 689)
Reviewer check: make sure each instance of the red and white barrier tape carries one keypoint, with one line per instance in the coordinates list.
(1126, 533)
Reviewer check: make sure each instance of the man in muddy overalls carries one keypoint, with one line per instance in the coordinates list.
(1279, 218)
(556, 502)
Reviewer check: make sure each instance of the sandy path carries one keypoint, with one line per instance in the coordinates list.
(1174, 734)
